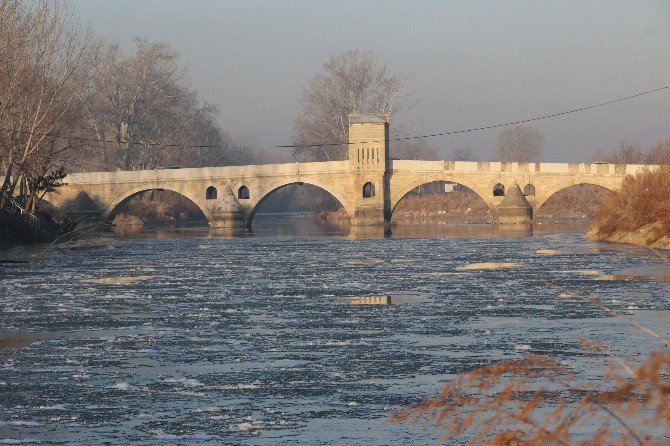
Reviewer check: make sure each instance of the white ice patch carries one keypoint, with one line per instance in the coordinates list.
(191, 393)
(54, 407)
(247, 426)
(26, 423)
(121, 386)
(186, 382)
(337, 343)
(160, 434)
(522, 347)
(19, 441)
(254, 385)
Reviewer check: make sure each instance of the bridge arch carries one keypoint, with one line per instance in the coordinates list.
(547, 194)
(110, 212)
(476, 188)
(266, 192)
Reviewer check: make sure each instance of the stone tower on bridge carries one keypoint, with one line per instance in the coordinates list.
(369, 163)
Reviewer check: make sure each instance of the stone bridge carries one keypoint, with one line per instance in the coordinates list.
(368, 185)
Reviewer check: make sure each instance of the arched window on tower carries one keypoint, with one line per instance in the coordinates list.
(210, 193)
(243, 193)
(529, 189)
(368, 190)
(498, 190)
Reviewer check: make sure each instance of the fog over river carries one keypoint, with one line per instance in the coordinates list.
(193, 337)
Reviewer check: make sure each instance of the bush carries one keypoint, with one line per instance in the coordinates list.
(642, 203)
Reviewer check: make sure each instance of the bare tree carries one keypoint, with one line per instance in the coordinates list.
(464, 154)
(412, 150)
(145, 115)
(351, 82)
(519, 144)
(659, 153)
(44, 60)
(627, 153)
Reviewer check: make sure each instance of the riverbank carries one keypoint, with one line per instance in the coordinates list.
(645, 236)
(638, 213)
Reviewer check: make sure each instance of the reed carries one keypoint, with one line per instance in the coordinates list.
(536, 400)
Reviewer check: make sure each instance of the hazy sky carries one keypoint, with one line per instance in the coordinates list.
(472, 63)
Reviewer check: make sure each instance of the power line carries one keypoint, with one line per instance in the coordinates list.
(553, 115)
(332, 144)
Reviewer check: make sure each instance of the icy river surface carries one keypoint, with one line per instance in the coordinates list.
(166, 337)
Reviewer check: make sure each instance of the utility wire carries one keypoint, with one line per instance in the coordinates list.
(553, 115)
(332, 144)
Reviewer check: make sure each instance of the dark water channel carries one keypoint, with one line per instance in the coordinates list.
(186, 336)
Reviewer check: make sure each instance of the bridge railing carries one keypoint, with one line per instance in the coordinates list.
(522, 168)
(14, 208)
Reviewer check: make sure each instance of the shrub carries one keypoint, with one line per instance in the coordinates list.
(642, 202)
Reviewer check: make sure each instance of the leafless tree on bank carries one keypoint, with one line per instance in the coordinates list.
(630, 153)
(351, 82)
(45, 58)
(659, 153)
(145, 115)
(627, 153)
(519, 144)
(464, 154)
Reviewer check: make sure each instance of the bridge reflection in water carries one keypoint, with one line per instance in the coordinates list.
(290, 226)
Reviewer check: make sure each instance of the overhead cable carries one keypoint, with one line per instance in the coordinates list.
(332, 144)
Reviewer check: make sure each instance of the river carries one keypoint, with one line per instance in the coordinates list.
(189, 336)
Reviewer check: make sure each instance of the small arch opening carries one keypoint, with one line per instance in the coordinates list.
(368, 190)
(529, 190)
(210, 193)
(243, 193)
(498, 190)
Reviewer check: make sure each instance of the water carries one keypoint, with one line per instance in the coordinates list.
(251, 340)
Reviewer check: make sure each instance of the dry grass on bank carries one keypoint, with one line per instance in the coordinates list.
(637, 213)
(536, 400)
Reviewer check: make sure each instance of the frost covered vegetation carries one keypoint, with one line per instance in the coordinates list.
(637, 213)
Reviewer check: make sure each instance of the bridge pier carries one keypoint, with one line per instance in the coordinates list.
(514, 208)
(232, 220)
(225, 212)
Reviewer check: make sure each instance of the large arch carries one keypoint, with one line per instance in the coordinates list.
(110, 212)
(276, 186)
(406, 189)
(553, 190)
